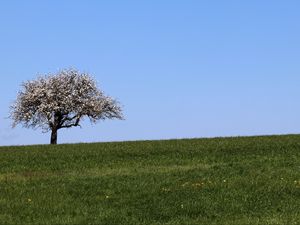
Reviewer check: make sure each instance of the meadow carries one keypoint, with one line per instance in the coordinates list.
(226, 181)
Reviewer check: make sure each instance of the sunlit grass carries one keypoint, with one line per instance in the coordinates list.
(252, 180)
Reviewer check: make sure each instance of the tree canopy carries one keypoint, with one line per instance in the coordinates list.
(61, 100)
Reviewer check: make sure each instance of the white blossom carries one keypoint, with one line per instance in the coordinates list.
(61, 100)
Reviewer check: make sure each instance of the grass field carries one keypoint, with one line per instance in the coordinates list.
(226, 181)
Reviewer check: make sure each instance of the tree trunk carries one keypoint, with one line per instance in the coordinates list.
(53, 140)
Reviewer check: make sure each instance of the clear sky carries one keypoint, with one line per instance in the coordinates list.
(181, 68)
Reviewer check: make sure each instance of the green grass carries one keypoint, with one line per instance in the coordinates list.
(226, 181)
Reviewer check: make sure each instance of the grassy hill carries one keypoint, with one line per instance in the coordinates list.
(234, 181)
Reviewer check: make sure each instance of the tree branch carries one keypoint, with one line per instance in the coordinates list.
(76, 124)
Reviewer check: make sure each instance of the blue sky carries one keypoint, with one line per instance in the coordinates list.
(182, 69)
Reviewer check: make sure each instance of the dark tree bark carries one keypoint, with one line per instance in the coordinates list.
(53, 140)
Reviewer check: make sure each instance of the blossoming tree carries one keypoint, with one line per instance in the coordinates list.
(61, 100)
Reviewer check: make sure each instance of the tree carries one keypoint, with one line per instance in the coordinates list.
(61, 100)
